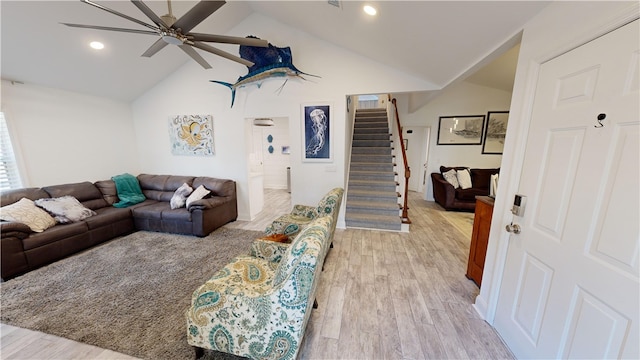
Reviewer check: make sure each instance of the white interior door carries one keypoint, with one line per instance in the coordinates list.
(570, 284)
(417, 142)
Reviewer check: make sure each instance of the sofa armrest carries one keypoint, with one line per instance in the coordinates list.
(304, 210)
(208, 203)
(7, 227)
(268, 250)
(443, 192)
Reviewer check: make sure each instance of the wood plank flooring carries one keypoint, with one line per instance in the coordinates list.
(382, 295)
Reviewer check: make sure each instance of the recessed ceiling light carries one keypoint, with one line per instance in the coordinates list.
(97, 45)
(370, 10)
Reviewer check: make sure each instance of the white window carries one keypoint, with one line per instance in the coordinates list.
(9, 176)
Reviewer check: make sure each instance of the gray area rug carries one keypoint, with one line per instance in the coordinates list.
(128, 295)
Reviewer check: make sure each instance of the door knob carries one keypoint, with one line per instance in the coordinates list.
(513, 228)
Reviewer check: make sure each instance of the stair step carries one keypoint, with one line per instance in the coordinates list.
(372, 158)
(371, 195)
(371, 143)
(371, 166)
(370, 221)
(375, 136)
(374, 208)
(371, 150)
(370, 124)
(375, 118)
(372, 175)
(377, 185)
(366, 130)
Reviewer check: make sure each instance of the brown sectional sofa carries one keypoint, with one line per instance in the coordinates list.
(23, 250)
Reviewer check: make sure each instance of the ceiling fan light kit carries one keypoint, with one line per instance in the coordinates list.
(174, 31)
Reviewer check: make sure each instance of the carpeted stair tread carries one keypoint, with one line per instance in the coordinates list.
(383, 136)
(372, 143)
(372, 195)
(372, 221)
(372, 175)
(378, 150)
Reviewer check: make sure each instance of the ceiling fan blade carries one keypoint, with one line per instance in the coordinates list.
(150, 14)
(112, 29)
(196, 15)
(195, 56)
(119, 14)
(224, 54)
(157, 46)
(228, 39)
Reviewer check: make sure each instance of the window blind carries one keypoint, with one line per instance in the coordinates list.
(9, 175)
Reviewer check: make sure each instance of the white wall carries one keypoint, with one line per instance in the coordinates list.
(545, 37)
(65, 137)
(461, 99)
(188, 91)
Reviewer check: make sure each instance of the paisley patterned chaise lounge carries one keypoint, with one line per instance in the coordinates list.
(301, 215)
(258, 308)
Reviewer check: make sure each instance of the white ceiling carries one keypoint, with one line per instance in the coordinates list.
(437, 41)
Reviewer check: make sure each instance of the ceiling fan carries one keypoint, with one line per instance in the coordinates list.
(177, 31)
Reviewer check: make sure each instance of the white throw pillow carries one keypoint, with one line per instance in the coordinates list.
(179, 198)
(65, 209)
(464, 179)
(197, 194)
(26, 212)
(452, 178)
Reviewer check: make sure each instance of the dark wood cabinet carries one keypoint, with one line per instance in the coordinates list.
(479, 238)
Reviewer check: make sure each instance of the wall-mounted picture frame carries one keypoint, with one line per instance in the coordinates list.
(460, 130)
(495, 131)
(191, 135)
(317, 143)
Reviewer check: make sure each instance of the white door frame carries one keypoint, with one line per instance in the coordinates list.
(513, 158)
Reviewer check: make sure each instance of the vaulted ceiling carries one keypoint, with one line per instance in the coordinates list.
(436, 41)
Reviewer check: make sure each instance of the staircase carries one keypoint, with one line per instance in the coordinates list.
(372, 197)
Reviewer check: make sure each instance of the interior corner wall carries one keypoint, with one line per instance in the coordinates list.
(189, 91)
(461, 99)
(66, 137)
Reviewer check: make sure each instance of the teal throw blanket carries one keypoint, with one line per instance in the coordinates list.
(128, 189)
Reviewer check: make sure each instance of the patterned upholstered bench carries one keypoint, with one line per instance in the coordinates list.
(259, 307)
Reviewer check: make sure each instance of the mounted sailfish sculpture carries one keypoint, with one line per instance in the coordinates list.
(269, 62)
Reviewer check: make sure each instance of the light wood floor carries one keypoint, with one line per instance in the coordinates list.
(382, 295)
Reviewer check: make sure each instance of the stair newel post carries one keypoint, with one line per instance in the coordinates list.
(407, 170)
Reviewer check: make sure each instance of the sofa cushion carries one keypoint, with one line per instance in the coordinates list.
(107, 216)
(162, 187)
(108, 190)
(452, 178)
(481, 178)
(65, 209)
(152, 211)
(181, 214)
(87, 193)
(179, 198)
(464, 179)
(199, 193)
(56, 233)
(26, 212)
(10, 196)
(470, 194)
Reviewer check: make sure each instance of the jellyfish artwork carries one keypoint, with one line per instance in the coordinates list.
(318, 128)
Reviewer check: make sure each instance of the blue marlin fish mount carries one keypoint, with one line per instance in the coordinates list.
(269, 62)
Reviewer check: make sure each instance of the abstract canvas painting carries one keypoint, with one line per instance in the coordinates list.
(191, 135)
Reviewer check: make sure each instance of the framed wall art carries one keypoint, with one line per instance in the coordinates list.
(495, 132)
(191, 135)
(316, 132)
(460, 130)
